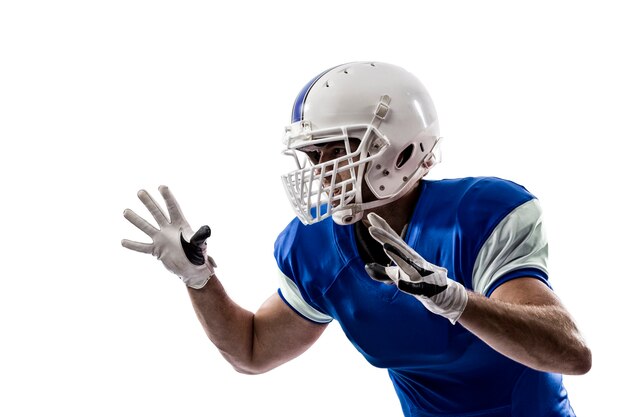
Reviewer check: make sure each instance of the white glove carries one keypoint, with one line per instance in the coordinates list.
(414, 275)
(182, 252)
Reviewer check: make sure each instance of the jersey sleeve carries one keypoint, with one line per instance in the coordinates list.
(291, 295)
(297, 280)
(516, 248)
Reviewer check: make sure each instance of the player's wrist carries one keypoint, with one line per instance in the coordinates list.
(198, 282)
(454, 302)
(450, 303)
(197, 276)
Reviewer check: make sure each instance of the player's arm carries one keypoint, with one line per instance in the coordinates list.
(524, 320)
(252, 343)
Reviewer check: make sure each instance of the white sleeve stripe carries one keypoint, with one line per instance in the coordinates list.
(292, 296)
(517, 242)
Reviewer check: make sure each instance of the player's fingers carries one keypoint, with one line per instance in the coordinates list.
(153, 207)
(137, 246)
(421, 288)
(377, 221)
(384, 236)
(201, 235)
(140, 223)
(176, 214)
(378, 273)
(404, 261)
(194, 249)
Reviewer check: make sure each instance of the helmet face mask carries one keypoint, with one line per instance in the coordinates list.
(391, 115)
(318, 189)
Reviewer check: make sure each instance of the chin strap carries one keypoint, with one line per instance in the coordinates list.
(353, 213)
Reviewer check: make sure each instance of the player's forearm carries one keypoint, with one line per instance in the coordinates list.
(543, 337)
(229, 326)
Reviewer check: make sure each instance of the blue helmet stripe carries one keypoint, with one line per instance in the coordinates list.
(297, 114)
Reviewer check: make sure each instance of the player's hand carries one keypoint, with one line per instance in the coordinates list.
(173, 243)
(414, 275)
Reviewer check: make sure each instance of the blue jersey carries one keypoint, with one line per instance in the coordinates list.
(484, 231)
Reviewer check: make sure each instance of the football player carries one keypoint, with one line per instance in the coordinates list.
(442, 282)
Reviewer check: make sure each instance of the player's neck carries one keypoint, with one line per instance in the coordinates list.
(398, 213)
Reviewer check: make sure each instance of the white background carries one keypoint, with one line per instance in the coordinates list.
(100, 99)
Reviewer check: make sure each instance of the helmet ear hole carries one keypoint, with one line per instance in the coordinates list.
(404, 156)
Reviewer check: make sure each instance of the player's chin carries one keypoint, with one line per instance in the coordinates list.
(335, 204)
(335, 200)
(339, 205)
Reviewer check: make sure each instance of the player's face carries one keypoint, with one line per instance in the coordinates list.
(326, 152)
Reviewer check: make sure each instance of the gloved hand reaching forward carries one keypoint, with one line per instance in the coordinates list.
(182, 252)
(414, 275)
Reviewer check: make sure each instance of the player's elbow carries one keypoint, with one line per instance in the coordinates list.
(583, 361)
(251, 365)
(245, 371)
(574, 360)
(251, 369)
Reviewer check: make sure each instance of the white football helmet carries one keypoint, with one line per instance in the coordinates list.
(393, 118)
